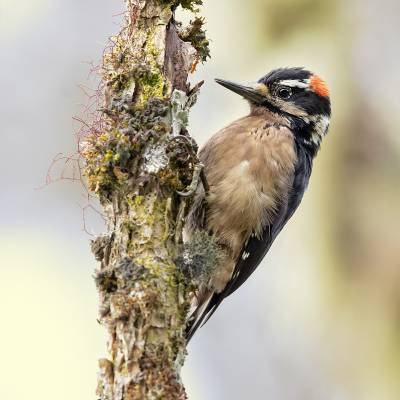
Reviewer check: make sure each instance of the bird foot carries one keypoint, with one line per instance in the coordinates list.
(191, 189)
(198, 170)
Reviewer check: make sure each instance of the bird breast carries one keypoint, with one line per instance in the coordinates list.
(249, 166)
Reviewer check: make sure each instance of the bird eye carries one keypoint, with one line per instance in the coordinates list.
(284, 92)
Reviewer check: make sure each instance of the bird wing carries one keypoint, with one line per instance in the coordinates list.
(256, 247)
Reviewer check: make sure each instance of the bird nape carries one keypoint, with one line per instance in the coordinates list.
(257, 169)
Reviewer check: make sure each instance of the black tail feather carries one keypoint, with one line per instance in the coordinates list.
(197, 322)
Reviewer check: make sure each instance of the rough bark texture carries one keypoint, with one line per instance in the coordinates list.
(137, 156)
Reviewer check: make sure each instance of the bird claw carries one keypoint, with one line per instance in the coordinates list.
(188, 142)
(197, 174)
(185, 194)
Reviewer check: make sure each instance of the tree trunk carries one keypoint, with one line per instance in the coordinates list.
(137, 156)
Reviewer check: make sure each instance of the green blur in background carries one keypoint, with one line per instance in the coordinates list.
(320, 318)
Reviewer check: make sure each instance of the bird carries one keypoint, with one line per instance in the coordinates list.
(257, 170)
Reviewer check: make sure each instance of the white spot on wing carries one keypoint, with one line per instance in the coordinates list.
(245, 255)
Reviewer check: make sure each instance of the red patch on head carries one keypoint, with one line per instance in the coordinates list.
(319, 86)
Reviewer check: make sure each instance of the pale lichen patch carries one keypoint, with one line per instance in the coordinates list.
(155, 159)
(179, 111)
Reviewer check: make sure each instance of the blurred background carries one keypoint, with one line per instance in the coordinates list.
(320, 318)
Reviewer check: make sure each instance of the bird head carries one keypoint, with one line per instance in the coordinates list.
(296, 94)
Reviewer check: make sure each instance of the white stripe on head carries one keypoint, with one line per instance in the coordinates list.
(299, 83)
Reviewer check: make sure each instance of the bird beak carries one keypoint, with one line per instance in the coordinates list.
(248, 92)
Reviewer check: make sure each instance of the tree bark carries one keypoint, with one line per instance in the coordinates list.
(137, 156)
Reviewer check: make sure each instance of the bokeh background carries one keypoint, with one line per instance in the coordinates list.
(320, 319)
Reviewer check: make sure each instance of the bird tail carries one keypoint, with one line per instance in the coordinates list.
(195, 318)
(202, 313)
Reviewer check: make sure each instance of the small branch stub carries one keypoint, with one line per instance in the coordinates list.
(135, 166)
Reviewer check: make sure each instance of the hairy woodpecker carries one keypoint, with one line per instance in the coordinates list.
(257, 169)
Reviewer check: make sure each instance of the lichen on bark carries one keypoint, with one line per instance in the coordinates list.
(136, 164)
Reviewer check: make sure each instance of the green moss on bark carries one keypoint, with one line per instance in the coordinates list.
(196, 35)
